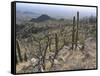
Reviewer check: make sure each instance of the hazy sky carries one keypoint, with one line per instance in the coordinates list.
(57, 11)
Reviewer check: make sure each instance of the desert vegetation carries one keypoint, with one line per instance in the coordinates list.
(47, 44)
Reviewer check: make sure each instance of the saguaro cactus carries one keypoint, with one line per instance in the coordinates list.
(25, 57)
(56, 45)
(73, 33)
(77, 29)
(44, 56)
(16, 59)
(56, 49)
(40, 56)
(49, 43)
(19, 51)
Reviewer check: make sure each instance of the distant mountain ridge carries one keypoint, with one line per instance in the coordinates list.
(24, 16)
(41, 18)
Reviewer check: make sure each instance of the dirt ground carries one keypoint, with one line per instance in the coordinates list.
(67, 59)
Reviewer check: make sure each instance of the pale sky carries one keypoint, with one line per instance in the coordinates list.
(56, 11)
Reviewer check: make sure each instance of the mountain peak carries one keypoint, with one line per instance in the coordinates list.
(41, 18)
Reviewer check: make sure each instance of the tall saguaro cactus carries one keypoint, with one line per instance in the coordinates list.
(19, 51)
(40, 56)
(77, 29)
(73, 33)
(56, 49)
(56, 45)
(44, 56)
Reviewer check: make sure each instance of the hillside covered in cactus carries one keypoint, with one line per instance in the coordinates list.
(53, 42)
